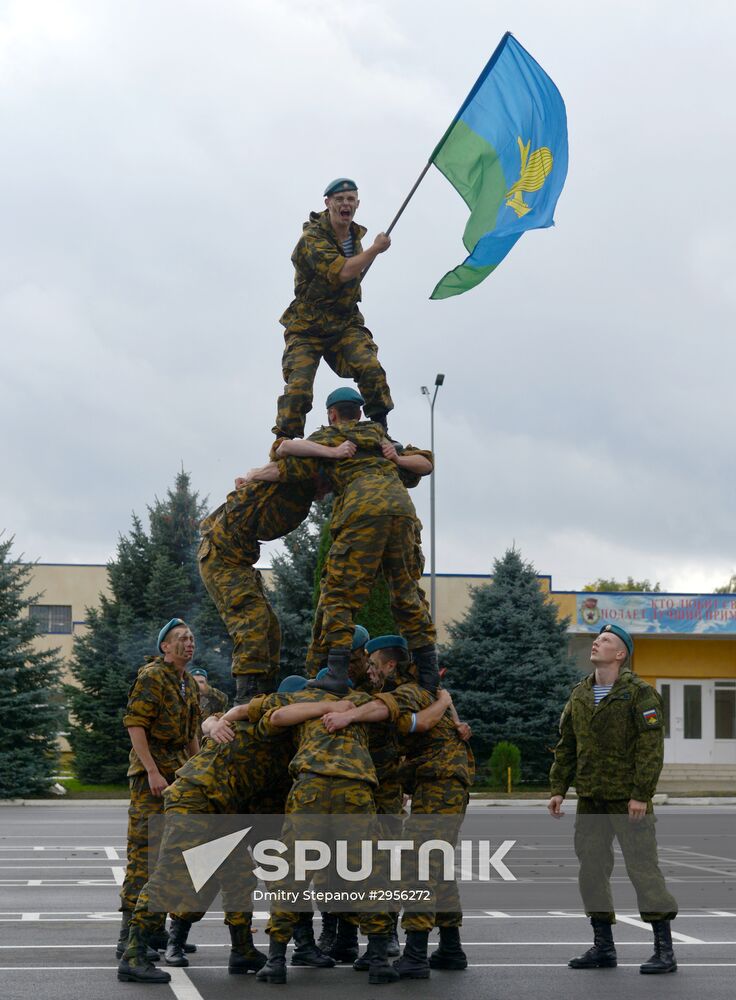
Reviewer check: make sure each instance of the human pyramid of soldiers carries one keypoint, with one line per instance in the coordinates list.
(371, 725)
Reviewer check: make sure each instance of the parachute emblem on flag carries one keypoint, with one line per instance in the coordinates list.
(532, 175)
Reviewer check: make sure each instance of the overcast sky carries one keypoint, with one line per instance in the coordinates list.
(158, 160)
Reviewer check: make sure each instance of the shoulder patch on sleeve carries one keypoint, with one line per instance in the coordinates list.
(651, 716)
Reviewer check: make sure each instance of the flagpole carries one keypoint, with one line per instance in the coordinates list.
(430, 161)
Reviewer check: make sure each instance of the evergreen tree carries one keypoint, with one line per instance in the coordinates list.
(30, 693)
(292, 590)
(508, 666)
(153, 578)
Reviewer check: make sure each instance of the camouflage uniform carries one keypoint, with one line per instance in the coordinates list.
(333, 775)
(213, 702)
(373, 529)
(613, 752)
(323, 321)
(227, 554)
(438, 770)
(249, 774)
(167, 707)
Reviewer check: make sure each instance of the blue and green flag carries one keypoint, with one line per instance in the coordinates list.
(505, 152)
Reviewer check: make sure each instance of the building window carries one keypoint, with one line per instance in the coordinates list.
(665, 692)
(693, 712)
(52, 619)
(726, 710)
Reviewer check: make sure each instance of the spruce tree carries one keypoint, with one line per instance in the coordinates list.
(30, 693)
(508, 665)
(153, 577)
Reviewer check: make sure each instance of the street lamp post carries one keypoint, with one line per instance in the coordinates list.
(432, 585)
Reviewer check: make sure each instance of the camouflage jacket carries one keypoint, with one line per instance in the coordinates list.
(258, 511)
(171, 719)
(236, 776)
(612, 750)
(343, 754)
(365, 486)
(439, 753)
(211, 702)
(323, 305)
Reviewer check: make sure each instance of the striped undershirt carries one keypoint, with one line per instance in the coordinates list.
(348, 248)
(600, 691)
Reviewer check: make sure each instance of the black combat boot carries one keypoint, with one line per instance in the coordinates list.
(413, 963)
(306, 951)
(450, 954)
(336, 679)
(345, 948)
(244, 956)
(329, 931)
(394, 949)
(381, 417)
(274, 971)
(177, 940)
(248, 686)
(134, 966)
(426, 660)
(603, 953)
(160, 939)
(379, 971)
(663, 959)
(152, 955)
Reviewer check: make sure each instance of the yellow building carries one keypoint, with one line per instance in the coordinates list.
(685, 644)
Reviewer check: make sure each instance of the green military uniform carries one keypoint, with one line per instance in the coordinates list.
(373, 529)
(212, 702)
(333, 775)
(438, 770)
(323, 321)
(319, 645)
(167, 707)
(613, 752)
(227, 554)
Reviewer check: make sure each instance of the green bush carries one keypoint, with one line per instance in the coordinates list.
(504, 755)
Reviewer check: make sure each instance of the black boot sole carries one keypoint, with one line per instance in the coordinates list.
(129, 977)
(419, 974)
(279, 980)
(596, 965)
(448, 964)
(658, 972)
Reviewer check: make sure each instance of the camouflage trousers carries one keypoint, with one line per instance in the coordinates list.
(239, 596)
(352, 354)
(141, 854)
(597, 822)
(322, 795)
(169, 887)
(446, 797)
(360, 551)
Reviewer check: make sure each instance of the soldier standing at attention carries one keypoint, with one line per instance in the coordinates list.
(611, 748)
(211, 699)
(323, 320)
(163, 721)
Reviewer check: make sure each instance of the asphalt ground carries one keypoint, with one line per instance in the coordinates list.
(60, 868)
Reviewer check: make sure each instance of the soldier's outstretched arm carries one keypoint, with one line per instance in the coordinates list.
(304, 448)
(371, 711)
(301, 711)
(268, 473)
(415, 461)
(428, 718)
(354, 266)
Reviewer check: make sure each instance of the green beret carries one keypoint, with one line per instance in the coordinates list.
(388, 642)
(622, 634)
(340, 184)
(291, 684)
(344, 395)
(199, 672)
(361, 636)
(166, 629)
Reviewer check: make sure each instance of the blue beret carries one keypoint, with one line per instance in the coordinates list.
(166, 629)
(340, 184)
(361, 636)
(291, 684)
(387, 642)
(344, 395)
(199, 672)
(622, 634)
(325, 670)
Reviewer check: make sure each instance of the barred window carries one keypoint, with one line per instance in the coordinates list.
(53, 619)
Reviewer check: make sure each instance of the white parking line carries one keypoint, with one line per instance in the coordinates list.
(676, 936)
(182, 986)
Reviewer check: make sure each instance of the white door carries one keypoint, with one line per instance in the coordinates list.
(724, 747)
(689, 715)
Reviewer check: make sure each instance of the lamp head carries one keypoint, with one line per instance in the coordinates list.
(439, 380)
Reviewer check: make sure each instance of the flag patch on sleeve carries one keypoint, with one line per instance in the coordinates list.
(651, 717)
